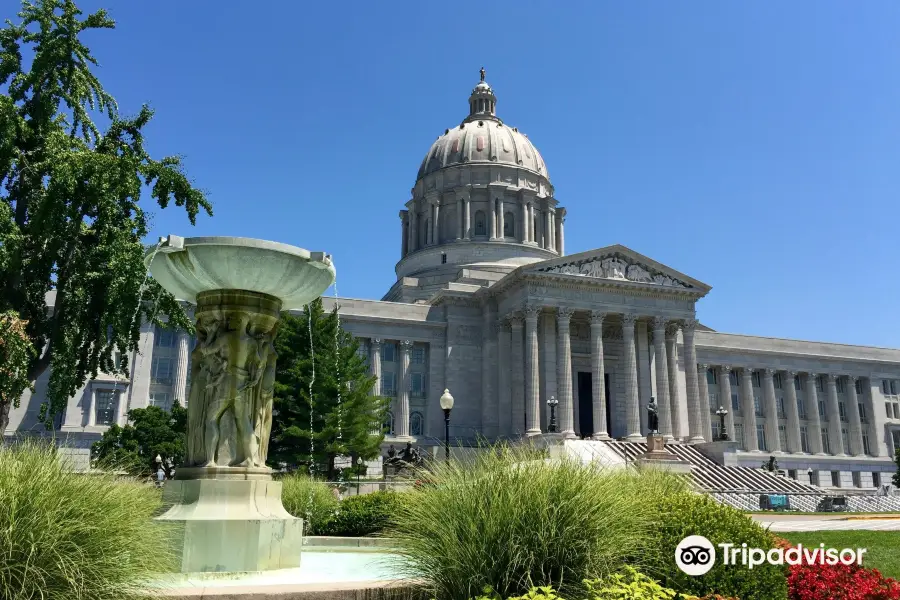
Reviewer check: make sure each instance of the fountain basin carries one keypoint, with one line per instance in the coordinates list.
(187, 267)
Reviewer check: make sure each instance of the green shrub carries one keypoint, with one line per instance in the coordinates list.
(362, 515)
(510, 521)
(308, 499)
(680, 515)
(629, 585)
(67, 535)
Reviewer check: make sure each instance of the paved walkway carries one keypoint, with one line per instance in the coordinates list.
(825, 523)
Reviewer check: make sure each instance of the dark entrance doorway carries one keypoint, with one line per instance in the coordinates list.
(586, 403)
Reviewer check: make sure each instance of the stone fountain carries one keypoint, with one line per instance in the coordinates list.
(223, 495)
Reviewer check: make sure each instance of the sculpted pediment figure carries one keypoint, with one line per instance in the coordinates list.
(616, 267)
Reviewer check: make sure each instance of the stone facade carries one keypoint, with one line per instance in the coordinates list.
(487, 304)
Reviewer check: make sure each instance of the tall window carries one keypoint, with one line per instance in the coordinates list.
(160, 399)
(820, 384)
(418, 355)
(839, 383)
(735, 402)
(845, 440)
(388, 384)
(388, 352)
(801, 408)
(821, 409)
(417, 383)
(757, 406)
(842, 411)
(161, 370)
(756, 382)
(363, 353)
(715, 429)
(711, 377)
(826, 443)
(713, 402)
(164, 338)
(862, 412)
(876, 478)
(782, 437)
(733, 378)
(857, 479)
(866, 448)
(780, 402)
(107, 402)
(835, 479)
(739, 435)
(798, 383)
(859, 386)
(509, 225)
(416, 424)
(776, 379)
(804, 439)
(761, 437)
(480, 223)
(388, 425)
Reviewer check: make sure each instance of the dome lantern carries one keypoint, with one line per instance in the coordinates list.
(482, 102)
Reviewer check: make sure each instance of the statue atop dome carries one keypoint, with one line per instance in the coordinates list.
(482, 73)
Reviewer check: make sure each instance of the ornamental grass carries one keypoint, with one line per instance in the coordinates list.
(73, 536)
(512, 520)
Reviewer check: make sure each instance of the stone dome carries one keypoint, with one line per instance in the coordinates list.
(483, 138)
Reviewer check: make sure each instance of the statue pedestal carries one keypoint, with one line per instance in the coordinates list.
(232, 524)
(657, 457)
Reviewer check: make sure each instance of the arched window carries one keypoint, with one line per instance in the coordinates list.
(509, 225)
(388, 425)
(416, 422)
(480, 223)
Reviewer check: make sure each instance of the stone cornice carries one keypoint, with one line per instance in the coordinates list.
(579, 283)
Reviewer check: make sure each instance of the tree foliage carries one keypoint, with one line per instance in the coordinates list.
(313, 349)
(897, 472)
(150, 432)
(70, 218)
(15, 353)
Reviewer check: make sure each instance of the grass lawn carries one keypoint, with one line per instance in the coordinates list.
(882, 547)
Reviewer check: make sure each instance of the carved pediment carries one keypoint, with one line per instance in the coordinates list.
(616, 266)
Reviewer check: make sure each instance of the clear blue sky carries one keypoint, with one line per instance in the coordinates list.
(753, 146)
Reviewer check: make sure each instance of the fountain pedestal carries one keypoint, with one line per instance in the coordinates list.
(223, 498)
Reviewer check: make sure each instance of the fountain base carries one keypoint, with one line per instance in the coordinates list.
(232, 525)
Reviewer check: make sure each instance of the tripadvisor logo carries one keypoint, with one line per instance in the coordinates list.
(695, 555)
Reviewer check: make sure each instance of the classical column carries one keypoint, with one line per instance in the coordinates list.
(598, 377)
(518, 382)
(833, 415)
(560, 237)
(677, 424)
(703, 385)
(375, 364)
(725, 399)
(404, 235)
(812, 415)
(467, 224)
(523, 237)
(532, 372)
(504, 393)
(856, 443)
(771, 410)
(460, 228)
(488, 371)
(792, 413)
(413, 228)
(695, 423)
(564, 370)
(181, 368)
(662, 376)
(748, 409)
(548, 237)
(629, 368)
(402, 421)
(501, 220)
(435, 236)
(551, 228)
(875, 422)
(492, 220)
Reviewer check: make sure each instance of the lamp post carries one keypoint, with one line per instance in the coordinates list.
(552, 403)
(723, 434)
(359, 462)
(447, 406)
(809, 473)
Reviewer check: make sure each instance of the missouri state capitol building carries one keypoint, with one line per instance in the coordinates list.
(487, 304)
